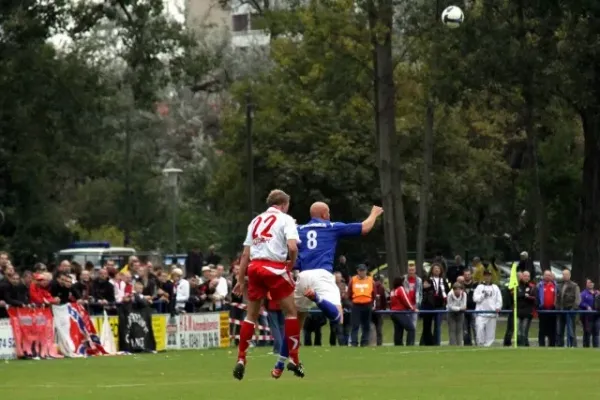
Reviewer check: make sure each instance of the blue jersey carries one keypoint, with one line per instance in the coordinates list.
(318, 241)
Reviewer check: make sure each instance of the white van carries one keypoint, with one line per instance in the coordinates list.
(97, 253)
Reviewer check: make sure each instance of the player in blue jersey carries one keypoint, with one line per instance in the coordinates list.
(316, 252)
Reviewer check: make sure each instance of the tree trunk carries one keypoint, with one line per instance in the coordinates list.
(586, 251)
(425, 187)
(385, 123)
(541, 216)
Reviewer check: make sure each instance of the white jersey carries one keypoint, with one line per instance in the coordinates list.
(268, 234)
(487, 298)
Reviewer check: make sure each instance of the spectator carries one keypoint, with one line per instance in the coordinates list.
(181, 289)
(479, 268)
(361, 292)
(62, 287)
(213, 258)
(526, 264)
(440, 290)
(339, 333)
(457, 304)
(121, 283)
(526, 302)
(137, 298)
(380, 305)
(590, 322)
(427, 303)
(197, 295)
(27, 278)
(39, 291)
(276, 322)
(148, 281)
(342, 267)
(84, 285)
(4, 287)
(568, 298)
(129, 266)
(8, 270)
(455, 270)
(206, 274)
(487, 297)
(314, 324)
(413, 286)
(4, 259)
(39, 268)
(194, 262)
(509, 304)
(221, 289)
(400, 301)
(16, 294)
(546, 295)
(439, 259)
(64, 266)
(102, 292)
(470, 331)
(164, 292)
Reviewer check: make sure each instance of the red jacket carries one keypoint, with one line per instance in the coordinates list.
(38, 294)
(399, 300)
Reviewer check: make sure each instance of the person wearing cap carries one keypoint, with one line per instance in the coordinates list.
(39, 291)
(487, 297)
(361, 291)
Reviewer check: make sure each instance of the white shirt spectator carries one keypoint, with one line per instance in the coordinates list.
(268, 234)
(182, 293)
(221, 292)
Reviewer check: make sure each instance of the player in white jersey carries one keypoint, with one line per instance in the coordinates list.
(271, 238)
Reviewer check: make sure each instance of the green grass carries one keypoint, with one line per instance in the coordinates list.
(386, 373)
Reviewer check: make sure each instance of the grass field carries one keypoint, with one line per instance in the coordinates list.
(387, 373)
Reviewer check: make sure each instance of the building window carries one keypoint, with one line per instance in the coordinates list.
(240, 23)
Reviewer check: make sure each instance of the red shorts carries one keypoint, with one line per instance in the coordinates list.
(271, 277)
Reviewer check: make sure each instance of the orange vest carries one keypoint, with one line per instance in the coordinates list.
(362, 290)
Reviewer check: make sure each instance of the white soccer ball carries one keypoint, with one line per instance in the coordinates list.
(453, 17)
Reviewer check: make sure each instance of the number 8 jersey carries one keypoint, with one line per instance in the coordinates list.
(318, 242)
(268, 234)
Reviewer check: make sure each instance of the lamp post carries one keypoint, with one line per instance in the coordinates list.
(249, 154)
(172, 175)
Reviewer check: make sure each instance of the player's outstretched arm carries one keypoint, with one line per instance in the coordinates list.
(369, 223)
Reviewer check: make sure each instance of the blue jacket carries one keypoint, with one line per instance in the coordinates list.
(540, 290)
(587, 300)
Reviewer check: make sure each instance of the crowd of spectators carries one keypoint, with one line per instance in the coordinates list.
(105, 287)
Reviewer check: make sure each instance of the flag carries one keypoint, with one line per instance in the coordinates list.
(106, 337)
(33, 332)
(76, 335)
(513, 285)
(135, 329)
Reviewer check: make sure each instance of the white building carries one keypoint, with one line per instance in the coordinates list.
(241, 20)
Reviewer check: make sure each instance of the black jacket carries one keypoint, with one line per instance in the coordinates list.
(428, 301)
(65, 294)
(527, 265)
(469, 290)
(454, 271)
(526, 299)
(193, 263)
(17, 295)
(103, 290)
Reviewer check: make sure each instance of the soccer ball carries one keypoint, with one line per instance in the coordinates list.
(453, 17)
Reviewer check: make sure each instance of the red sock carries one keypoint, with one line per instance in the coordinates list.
(246, 333)
(292, 334)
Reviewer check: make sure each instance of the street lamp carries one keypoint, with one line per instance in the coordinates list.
(172, 175)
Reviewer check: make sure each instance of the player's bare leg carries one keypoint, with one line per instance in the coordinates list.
(246, 333)
(290, 346)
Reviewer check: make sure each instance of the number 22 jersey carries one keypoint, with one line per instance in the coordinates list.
(268, 234)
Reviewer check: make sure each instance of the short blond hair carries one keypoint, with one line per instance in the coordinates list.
(277, 197)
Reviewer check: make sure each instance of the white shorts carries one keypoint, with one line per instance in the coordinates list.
(322, 282)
